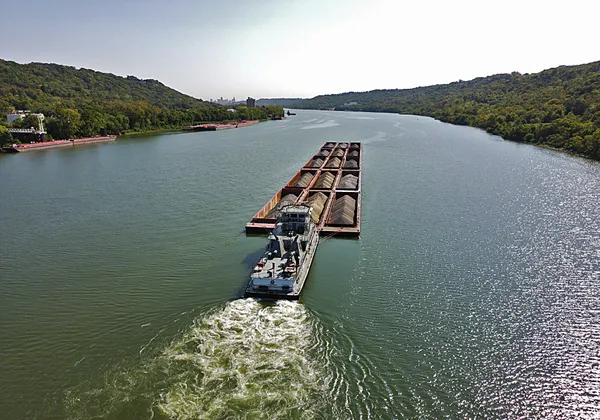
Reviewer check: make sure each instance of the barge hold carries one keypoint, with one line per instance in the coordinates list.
(282, 270)
(330, 182)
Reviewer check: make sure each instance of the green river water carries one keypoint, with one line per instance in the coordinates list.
(473, 291)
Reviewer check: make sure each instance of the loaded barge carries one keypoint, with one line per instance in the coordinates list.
(28, 147)
(330, 182)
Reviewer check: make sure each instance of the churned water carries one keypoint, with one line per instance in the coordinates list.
(242, 359)
(472, 292)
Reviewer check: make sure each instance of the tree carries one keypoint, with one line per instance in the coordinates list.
(93, 123)
(5, 136)
(64, 124)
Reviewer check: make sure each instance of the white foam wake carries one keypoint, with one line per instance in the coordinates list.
(247, 359)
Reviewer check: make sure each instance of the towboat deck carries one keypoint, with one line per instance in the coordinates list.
(283, 268)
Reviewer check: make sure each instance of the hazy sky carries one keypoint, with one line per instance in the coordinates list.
(301, 48)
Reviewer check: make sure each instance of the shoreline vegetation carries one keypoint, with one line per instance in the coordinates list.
(86, 103)
(557, 108)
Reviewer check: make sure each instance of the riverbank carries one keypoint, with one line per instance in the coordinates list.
(593, 156)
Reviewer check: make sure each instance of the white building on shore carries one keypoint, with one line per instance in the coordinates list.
(14, 116)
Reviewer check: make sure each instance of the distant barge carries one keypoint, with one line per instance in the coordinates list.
(331, 183)
(218, 127)
(28, 147)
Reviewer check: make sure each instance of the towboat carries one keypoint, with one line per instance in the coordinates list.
(282, 270)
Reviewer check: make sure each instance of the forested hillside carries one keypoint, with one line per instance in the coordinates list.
(82, 102)
(558, 107)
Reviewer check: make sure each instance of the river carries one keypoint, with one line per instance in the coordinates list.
(472, 292)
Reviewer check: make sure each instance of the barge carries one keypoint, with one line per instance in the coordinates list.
(330, 182)
(282, 270)
(222, 126)
(92, 140)
(29, 147)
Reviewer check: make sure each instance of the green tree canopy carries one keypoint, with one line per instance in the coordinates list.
(82, 102)
(5, 136)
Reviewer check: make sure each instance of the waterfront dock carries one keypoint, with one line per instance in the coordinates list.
(331, 183)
